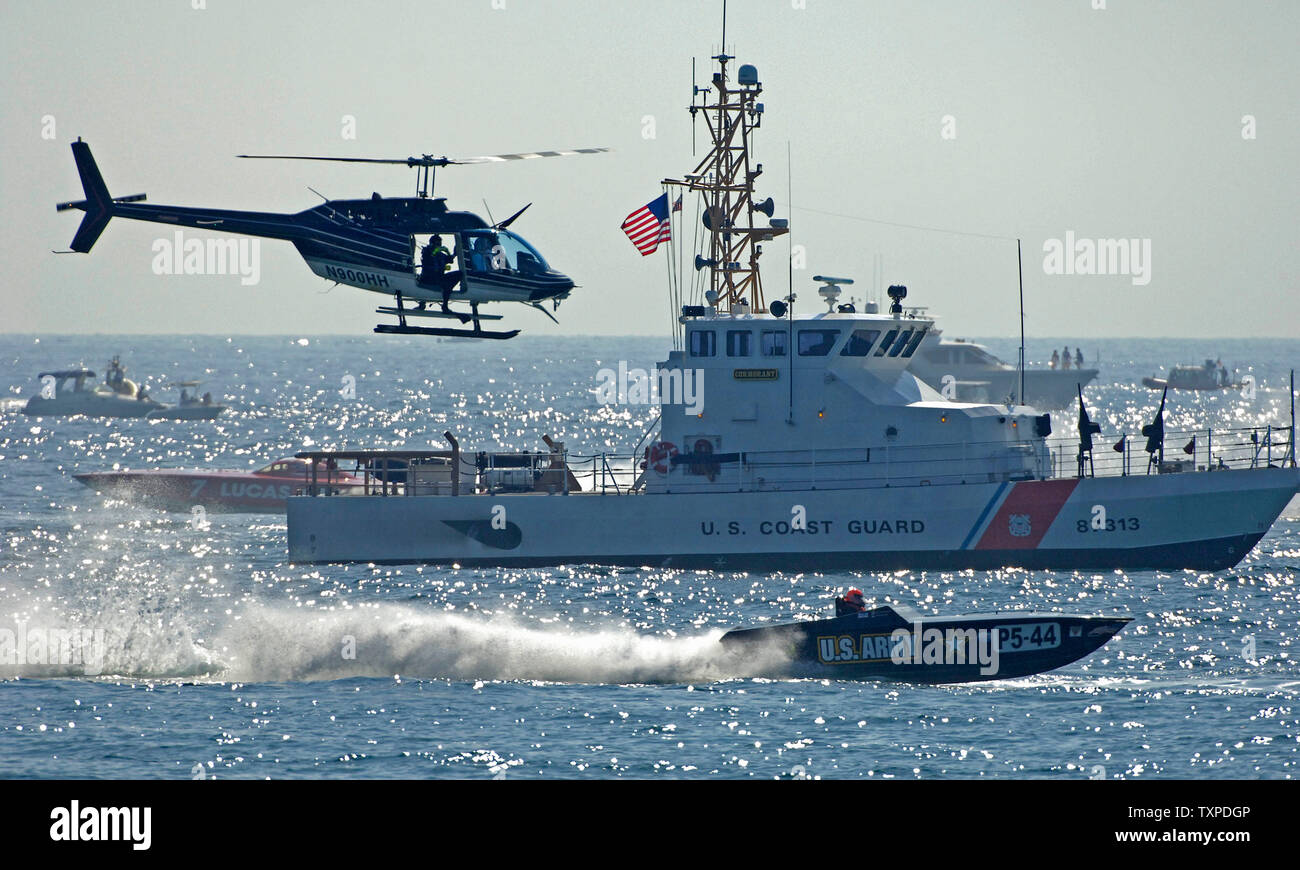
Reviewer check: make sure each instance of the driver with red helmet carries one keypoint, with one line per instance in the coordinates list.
(851, 603)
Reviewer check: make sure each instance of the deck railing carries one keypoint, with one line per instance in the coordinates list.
(416, 473)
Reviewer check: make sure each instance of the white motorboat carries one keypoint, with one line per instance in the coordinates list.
(69, 392)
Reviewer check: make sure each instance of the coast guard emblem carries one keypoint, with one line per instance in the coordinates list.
(1018, 525)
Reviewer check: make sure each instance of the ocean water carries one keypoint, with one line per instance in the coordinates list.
(221, 659)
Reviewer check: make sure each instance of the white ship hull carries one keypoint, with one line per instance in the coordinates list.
(1205, 521)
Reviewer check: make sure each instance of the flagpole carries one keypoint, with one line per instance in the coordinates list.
(789, 343)
(677, 344)
(1020, 268)
(668, 261)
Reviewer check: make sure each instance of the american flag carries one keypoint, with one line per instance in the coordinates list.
(648, 226)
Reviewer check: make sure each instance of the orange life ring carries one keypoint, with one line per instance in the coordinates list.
(660, 455)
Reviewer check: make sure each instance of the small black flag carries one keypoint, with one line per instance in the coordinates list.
(1119, 445)
(1190, 447)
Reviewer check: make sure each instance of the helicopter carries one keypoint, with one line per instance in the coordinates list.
(372, 243)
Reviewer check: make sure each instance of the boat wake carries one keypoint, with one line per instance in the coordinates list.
(280, 643)
(273, 644)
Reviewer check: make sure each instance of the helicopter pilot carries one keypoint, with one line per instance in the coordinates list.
(435, 263)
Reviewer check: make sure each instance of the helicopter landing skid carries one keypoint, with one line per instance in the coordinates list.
(403, 329)
(433, 312)
(400, 328)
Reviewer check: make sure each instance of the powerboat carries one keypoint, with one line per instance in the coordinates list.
(894, 642)
(262, 491)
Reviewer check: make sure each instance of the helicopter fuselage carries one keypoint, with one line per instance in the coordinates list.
(367, 243)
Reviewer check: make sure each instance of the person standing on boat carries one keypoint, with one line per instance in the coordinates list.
(1065, 358)
(1056, 359)
(1078, 357)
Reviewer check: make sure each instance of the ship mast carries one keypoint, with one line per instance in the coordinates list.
(725, 179)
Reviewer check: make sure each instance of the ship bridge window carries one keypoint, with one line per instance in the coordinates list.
(900, 342)
(914, 343)
(739, 342)
(860, 342)
(889, 339)
(817, 342)
(704, 342)
(774, 342)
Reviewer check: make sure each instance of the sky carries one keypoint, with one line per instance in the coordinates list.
(926, 134)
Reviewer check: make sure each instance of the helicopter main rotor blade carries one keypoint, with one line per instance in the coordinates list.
(430, 160)
(530, 155)
(407, 161)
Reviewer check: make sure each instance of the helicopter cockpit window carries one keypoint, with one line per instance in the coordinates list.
(502, 251)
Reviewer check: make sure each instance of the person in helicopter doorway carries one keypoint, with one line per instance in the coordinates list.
(851, 603)
(435, 263)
